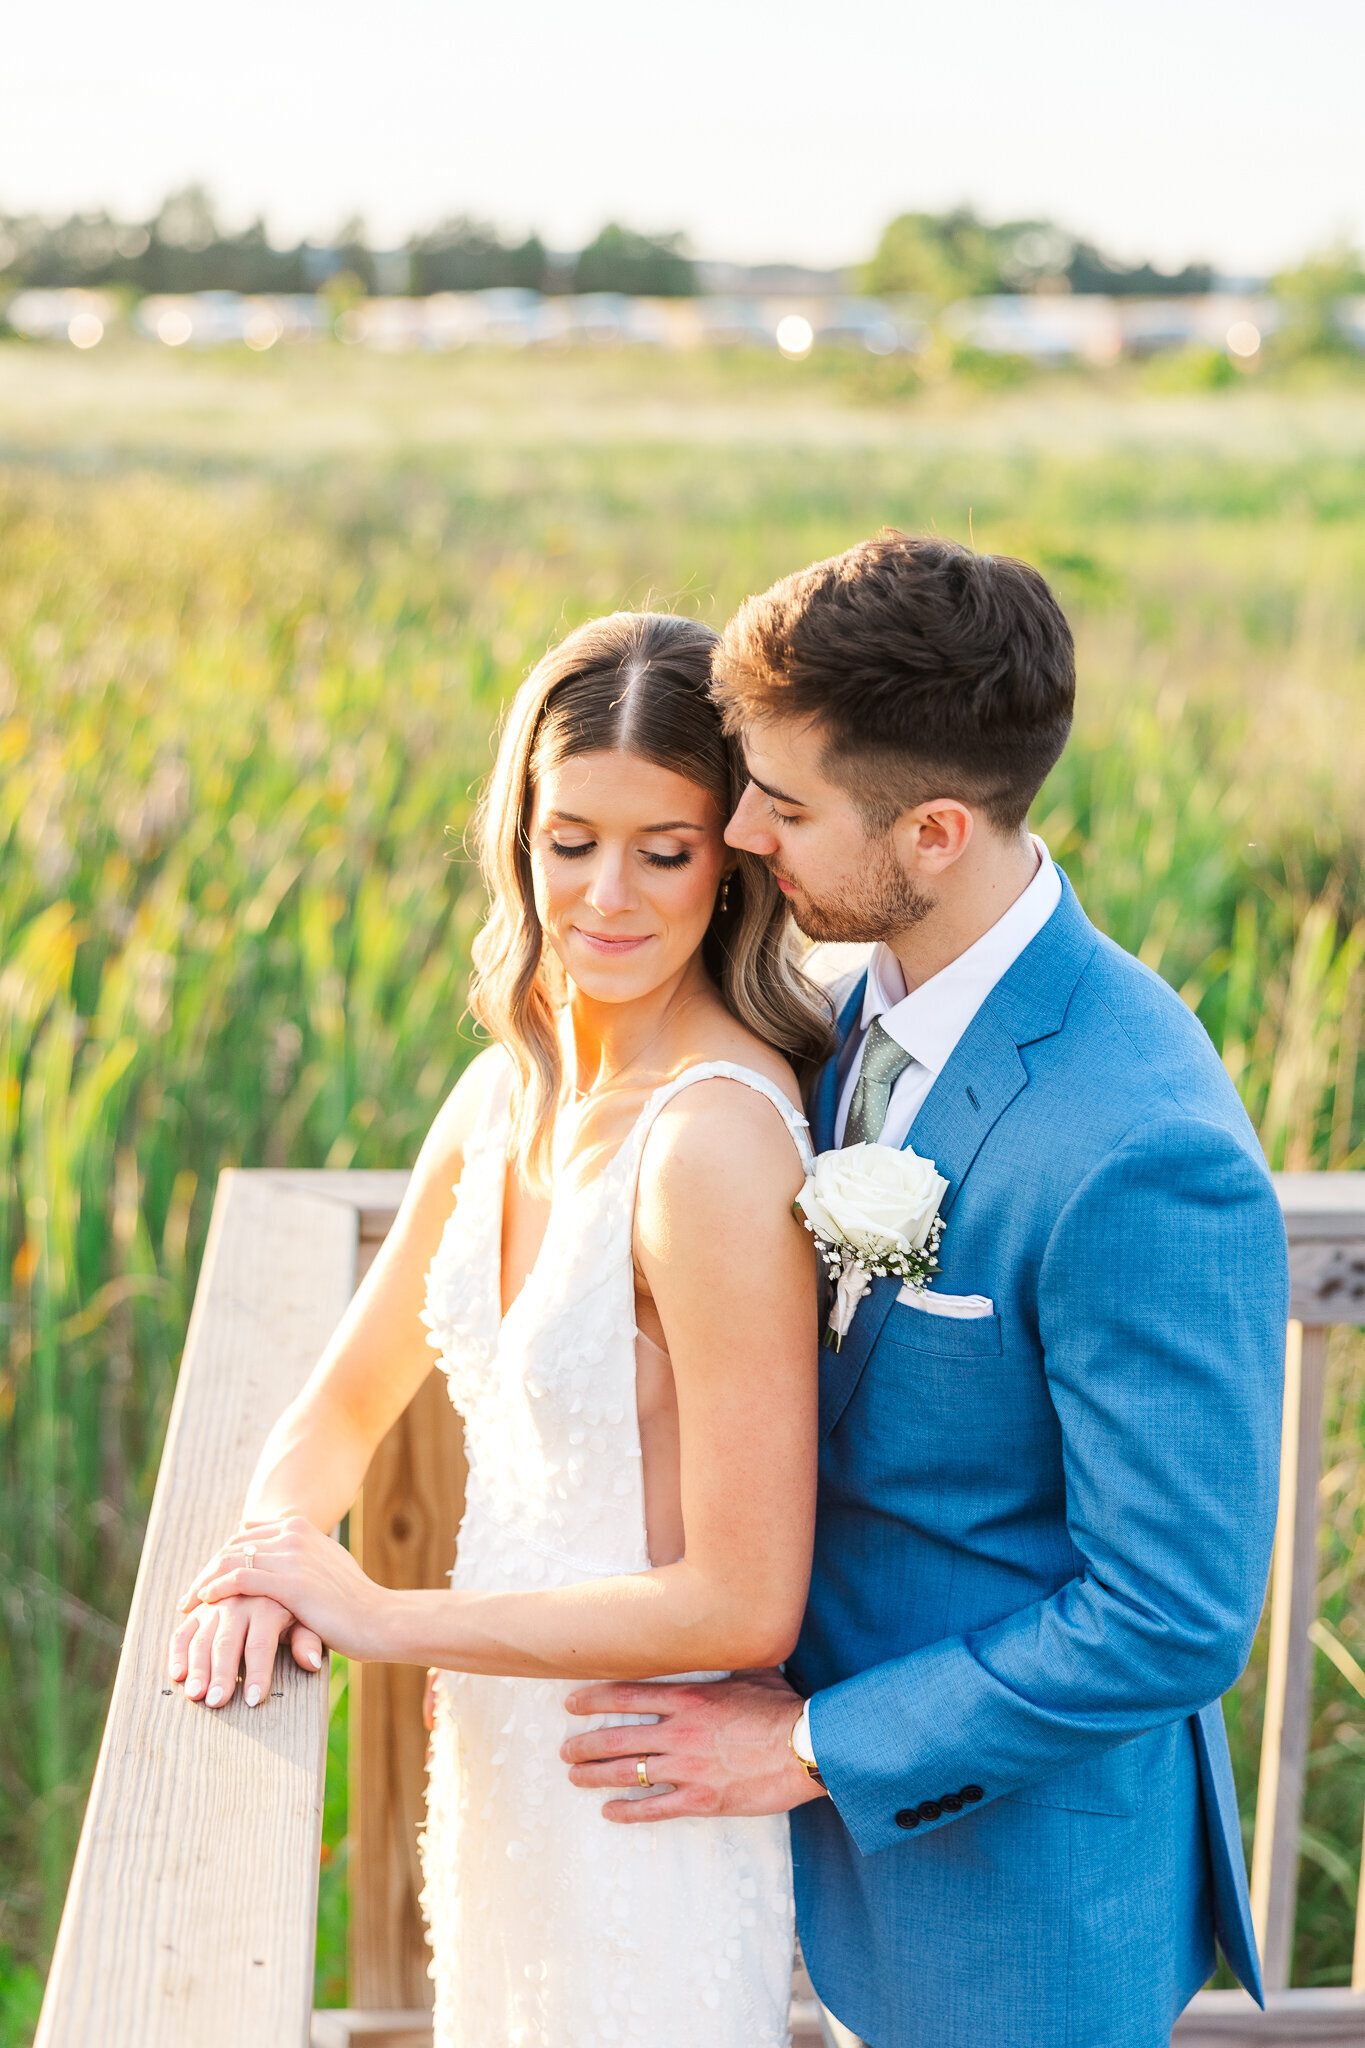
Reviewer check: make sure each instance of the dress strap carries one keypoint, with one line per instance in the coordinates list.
(725, 1070)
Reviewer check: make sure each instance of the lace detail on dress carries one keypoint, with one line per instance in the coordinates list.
(551, 1927)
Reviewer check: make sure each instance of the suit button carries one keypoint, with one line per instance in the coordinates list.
(930, 1809)
(952, 1802)
(907, 1818)
(972, 1792)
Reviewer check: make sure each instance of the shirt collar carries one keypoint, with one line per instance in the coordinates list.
(929, 1020)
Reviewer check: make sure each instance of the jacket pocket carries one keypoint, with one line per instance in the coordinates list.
(943, 1336)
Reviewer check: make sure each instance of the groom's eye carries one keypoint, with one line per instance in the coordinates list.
(783, 817)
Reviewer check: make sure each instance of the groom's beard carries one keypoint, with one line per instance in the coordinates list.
(885, 903)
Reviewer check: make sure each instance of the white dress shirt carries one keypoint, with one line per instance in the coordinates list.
(928, 1022)
(931, 1019)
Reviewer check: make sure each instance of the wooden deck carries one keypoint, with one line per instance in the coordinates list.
(191, 1914)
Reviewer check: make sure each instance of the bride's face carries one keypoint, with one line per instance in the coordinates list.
(627, 859)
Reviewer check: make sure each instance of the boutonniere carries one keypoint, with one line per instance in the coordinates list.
(872, 1211)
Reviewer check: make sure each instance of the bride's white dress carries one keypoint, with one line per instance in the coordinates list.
(550, 1926)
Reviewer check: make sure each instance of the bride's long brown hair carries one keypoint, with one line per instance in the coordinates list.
(634, 683)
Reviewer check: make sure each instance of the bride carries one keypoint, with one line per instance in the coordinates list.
(624, 1308)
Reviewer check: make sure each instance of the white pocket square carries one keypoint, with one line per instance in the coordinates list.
(946, 1304)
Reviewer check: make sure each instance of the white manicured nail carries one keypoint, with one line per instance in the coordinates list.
(215, 1693)
(315, 1659)
(253, 1695)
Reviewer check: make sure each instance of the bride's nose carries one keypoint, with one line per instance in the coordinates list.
(611, 888)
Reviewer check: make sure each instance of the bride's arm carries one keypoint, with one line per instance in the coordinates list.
(732, 1275)
(316, 1456)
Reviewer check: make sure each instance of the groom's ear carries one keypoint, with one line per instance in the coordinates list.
(932, 836)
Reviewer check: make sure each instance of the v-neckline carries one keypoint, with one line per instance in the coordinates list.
(502, 1314)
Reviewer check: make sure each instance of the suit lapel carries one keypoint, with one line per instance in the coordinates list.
(840, 1371)
(984, 1072)
(829, 1082)
(977, 1085)
(981, 1079)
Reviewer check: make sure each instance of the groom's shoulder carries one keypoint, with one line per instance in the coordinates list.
(837, 968)
(1146, 1038)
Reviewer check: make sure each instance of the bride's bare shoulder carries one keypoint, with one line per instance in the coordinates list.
(719, 1140)
(442, 1155)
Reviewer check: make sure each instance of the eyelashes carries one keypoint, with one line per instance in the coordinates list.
(655, 860)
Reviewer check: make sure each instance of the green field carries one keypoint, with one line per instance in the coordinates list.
(256, 621)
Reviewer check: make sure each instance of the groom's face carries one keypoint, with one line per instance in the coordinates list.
(844, 880)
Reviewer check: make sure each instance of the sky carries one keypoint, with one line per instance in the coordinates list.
(1225, 130)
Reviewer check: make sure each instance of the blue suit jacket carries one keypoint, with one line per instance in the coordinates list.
(1043, 1536)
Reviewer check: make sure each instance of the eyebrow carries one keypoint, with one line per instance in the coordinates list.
(778, 795)
(673, 824)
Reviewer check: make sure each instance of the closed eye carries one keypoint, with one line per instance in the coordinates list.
(573, 852)
(668, 860)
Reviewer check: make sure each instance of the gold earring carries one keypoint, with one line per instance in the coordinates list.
(725, 896)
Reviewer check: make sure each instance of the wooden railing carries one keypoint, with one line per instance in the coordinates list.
(191, 1915)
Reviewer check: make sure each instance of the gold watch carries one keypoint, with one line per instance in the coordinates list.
(799, 1743)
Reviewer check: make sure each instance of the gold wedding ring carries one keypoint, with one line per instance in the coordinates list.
(642, 1771)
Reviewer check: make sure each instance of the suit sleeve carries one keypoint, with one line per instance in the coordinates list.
(1163, 1294)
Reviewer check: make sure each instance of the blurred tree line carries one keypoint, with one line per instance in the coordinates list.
(185, 249)
(934, 257)
(947, 256)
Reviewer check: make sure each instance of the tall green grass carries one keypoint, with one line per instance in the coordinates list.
(243, 704)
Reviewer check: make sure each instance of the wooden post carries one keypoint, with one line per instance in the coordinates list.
(193, 1904)
(1293, 1606)
(403, 1533)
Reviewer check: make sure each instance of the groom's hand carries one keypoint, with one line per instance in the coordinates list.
(724, 1747)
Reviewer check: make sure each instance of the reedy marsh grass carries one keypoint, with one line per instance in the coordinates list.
(246, 690)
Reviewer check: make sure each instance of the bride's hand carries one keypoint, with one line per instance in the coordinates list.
(291, 1562)
(212, 1644)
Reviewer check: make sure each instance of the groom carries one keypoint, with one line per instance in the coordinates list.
(1047, 1487)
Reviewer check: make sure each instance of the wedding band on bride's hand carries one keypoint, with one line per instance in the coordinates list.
(642, 1772)
(249, 1553)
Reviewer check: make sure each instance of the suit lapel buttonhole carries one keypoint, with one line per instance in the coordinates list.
(971, 1097)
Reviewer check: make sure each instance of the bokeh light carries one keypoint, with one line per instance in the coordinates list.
(261, 328)
(174, 327)
(86, 330)
(795, 335)
(1244, 338)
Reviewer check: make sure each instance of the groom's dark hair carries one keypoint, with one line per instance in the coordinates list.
(930, 670)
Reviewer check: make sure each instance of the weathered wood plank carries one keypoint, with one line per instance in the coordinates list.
(1293, 1605)
(1317, 1205)
(1229, 2019)
(192, 1908)
(403, 1531)
(373, 1192)
(1327, 1281)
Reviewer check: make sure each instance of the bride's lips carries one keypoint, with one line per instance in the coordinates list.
(612, 949)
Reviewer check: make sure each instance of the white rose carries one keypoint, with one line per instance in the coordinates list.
(873, 1199)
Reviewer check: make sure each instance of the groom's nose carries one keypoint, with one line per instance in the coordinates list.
(749, 830)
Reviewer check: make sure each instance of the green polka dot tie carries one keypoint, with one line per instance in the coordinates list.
(883, 1064)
